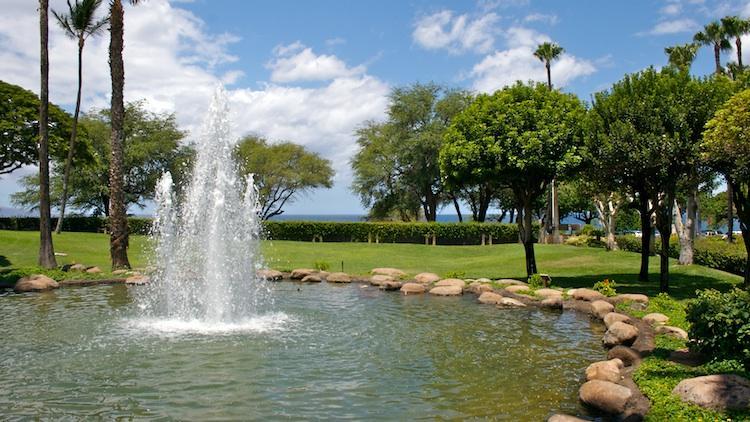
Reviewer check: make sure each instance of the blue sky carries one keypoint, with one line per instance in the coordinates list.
(312, 71)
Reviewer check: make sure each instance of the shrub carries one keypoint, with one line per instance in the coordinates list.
(720, 324)
(455, 274)
(321, 266)
(606, 287)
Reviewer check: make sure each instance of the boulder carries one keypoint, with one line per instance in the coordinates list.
(451, 282)
(120, 272)
(619, 333)
(339, 278)
(393, 272)
(426, 278)
(94, 270)
(138, 280)
(588, 294)
(35, 283)
(629, 297)
(601, 308)
(655, 319)
(379, 279)
(479, 287)
(552, 303)
(559, 417)
(490, 298)
(607, 370)
(606, 396)
(548, 293)
(271, 275)
(628, 356)
(570, 292)
(671, 331)
(446, 291)
(518, 289)
(413, 288)
(511, 282)
(508, 302)
(301, 273)
(312, 278)
(613, 317)
(718, 392)
(484, 280)
(77, 267)
(391, 285)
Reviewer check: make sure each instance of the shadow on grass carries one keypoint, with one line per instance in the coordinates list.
(681, 286)
(4, 262)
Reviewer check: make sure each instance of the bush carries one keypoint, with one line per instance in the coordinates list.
(720, 325)
(536, 281)
(606, 287)
(321, 266)
(137, 225)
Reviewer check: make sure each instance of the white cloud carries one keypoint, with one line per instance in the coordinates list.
(331, 42)
(296, 62)
(671, 9)
(456, 33)
(518, 63)
(675, 26)
(541, 17)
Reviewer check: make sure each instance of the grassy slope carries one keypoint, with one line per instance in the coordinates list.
(569, 266)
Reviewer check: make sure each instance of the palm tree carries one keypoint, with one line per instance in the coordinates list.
(736, 27)
(118, 220)
(78, 24)
(546, 52)
(713, 34)
(682, 56)
(46, 250)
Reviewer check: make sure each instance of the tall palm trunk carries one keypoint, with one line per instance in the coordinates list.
(549, 74)
(46, 250)
(717, 58)
(730, 213)
(738, 43)
(73, 135)
(118, 224)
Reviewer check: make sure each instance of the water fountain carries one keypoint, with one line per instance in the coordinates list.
(207, 241)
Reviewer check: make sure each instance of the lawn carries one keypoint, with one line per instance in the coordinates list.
(569, 266)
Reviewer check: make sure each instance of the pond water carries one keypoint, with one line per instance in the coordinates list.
(327, 352)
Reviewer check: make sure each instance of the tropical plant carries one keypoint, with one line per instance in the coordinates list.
(713, 35)
(547, 52)
(735, 27)
(79, 24)
(46, 249)
(606, 287)
(682, 56)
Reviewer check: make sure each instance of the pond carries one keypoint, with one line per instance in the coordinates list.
(326, 352)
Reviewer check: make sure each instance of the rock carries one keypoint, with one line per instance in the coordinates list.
(484, 280)
(600, 308)
(671, 331)
(548, 293)
(339, 278)
(379, 279)
(490, 298)
(570, 292)
(718, 392)
(94, 270)
(393, 272)
(413, 288)
(138, 280)
(613, 317)
(35, 283)
(269, 274)
(628, 356)
(508, 302)
(391, 285)
(619, 333)
(629, 297)
(479, 287)
(301, 273)
(518, 289)
(511, 282)
(552, 303)
(606, 396)
(687, 357)
(426, 278)
(120, 272)
(607, 370)
(558, 417)
(587, 294)
(312, 278)
(655, 319)
(451, 282)
(77, 267)
(446, 291)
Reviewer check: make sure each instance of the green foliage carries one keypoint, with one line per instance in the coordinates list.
(536, 282)
(720, 324)
(456, 274)
(76, 224)
(584, 240)
(8, 277)
(282, 172)
(321, 266)
(606, 287)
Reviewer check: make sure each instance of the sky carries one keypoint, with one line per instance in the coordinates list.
(312, 72)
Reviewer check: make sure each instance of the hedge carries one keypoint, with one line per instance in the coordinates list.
(440, 233)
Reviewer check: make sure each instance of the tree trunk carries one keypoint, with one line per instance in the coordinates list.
(555, 222)
(645, 237)
(549, 75)
(512, 215)
(664, 260)
(72, 143)
(717, 59)
(458, 209)
(730, 213)
(738, 43)
(746, 239)
(118, 244)
(608, 216)
(46, 250)
(686, 231)
(525, 230)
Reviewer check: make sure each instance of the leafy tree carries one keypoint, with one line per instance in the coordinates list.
(396, 168)
(46, 249)
(79, 24)
(523, 136)
(714, 35)
(118, 221)
(19, 128)
(735, 27)
(726, 148)
(576, 201)
(152, 146)
(682, 56)
(283, 171)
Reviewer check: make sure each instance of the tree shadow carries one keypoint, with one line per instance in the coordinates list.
(4, 262)
(681, 286)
